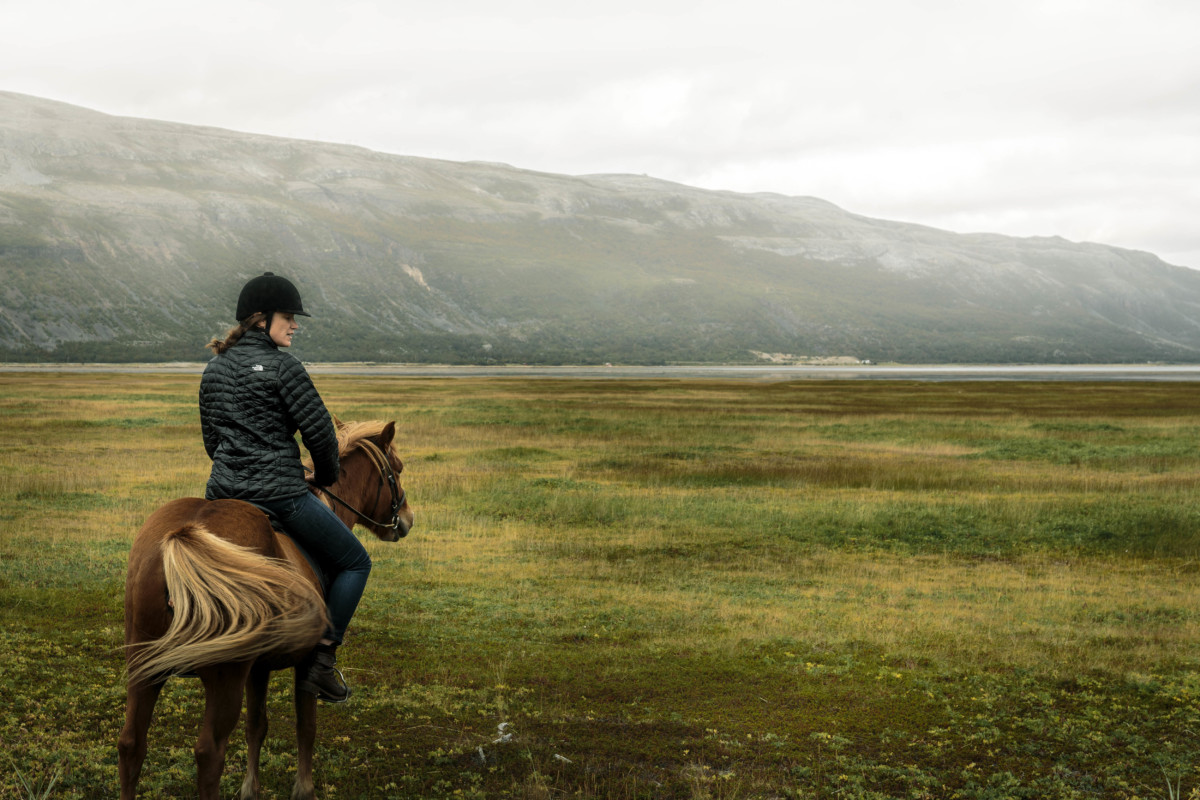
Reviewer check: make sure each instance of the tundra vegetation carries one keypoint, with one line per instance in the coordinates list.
(646, 589)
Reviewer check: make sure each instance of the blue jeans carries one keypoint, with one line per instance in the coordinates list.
(339, 552)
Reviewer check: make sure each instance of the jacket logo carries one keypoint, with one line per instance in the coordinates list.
(257, 368)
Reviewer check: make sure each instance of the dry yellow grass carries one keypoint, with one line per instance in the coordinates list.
(638, 563)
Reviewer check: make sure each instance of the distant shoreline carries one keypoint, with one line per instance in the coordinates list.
(758, 372)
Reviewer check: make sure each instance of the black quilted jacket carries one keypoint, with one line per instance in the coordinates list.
(253, 399)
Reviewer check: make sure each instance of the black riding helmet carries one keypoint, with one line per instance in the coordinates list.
(269, 293)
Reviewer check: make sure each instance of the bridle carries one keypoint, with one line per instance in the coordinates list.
(387, 476)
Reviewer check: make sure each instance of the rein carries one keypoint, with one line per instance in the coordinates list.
(387, 475)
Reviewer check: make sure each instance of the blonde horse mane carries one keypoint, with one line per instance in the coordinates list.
(351, 434)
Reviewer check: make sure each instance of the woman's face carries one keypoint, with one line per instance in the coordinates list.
(283, 328)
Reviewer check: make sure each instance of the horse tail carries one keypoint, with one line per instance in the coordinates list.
(230, 604)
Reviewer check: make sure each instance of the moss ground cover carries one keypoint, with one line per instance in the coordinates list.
(677, 589)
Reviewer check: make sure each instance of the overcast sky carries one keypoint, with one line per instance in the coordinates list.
(1078, 118)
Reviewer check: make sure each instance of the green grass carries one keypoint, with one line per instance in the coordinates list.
(678, 589)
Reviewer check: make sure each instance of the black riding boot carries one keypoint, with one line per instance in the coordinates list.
(322, 677)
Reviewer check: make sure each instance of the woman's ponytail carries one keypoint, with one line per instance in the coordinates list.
(219, 346)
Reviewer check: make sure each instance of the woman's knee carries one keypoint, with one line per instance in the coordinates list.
(356, 559)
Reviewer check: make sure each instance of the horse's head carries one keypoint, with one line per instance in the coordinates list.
(369, 492)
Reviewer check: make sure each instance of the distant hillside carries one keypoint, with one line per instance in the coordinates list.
(125, 239)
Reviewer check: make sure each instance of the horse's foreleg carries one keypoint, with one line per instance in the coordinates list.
(306, 737)
(223, 689)
(131, 744)
(256, 729)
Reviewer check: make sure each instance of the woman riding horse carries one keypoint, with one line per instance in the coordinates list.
(212, 590)
(253, 399)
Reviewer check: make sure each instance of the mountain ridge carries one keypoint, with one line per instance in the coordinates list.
(128, 239)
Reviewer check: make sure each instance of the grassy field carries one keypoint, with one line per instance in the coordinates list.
(681, 589)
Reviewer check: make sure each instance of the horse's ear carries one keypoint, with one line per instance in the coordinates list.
(337, 423)
(387, 434)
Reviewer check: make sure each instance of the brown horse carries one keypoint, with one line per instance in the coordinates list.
(212, 589)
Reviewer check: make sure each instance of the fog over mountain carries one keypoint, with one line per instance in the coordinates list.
(125, 239)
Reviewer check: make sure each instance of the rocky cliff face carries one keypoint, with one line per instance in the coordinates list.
(126, 239)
